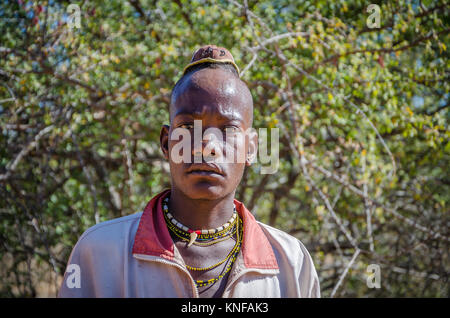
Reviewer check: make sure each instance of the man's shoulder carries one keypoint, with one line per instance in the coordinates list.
(278, 234)
(110, 229)
(284, 241)
(294, 258)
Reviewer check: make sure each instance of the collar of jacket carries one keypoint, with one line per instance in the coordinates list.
(153, 238)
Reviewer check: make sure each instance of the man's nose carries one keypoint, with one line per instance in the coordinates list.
(210, 146)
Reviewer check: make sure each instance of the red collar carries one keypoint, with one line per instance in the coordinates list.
(153, 238)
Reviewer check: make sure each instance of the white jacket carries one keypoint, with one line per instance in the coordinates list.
(134, 256)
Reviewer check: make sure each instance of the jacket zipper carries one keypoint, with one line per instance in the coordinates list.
(160, 260)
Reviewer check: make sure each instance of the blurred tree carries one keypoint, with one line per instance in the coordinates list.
(362, 112)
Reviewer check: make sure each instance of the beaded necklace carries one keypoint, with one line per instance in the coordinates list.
(233, 226)
(200, 241)
(231, 258)
(231, 253)
(207, 237)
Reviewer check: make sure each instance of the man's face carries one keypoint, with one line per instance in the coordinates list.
(224, 106)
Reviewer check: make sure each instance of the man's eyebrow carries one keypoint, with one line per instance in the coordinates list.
(185, 113)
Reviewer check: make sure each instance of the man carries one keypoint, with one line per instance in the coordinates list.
(195, 239)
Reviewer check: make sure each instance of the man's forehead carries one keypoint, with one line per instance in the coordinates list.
(216, 81)
(211, 91)
(197, 111)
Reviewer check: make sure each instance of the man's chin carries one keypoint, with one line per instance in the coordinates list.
(204, 191)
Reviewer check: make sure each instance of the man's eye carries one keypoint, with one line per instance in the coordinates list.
(231, 129)
(187, 126)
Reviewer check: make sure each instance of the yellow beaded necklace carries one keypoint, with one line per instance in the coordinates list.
(231, 258)
(235, 225)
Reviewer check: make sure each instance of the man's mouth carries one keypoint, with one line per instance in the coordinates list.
(204, 169)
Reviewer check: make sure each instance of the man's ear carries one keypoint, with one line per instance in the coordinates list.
(252, 147)
(164, 140)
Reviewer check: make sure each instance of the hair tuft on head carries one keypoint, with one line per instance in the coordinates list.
(210, 55)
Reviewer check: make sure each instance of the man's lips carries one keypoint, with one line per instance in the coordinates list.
(204, 169)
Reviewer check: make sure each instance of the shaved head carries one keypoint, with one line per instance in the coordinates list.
(221, 84)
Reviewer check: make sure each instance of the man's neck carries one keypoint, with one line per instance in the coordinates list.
(200, 214)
